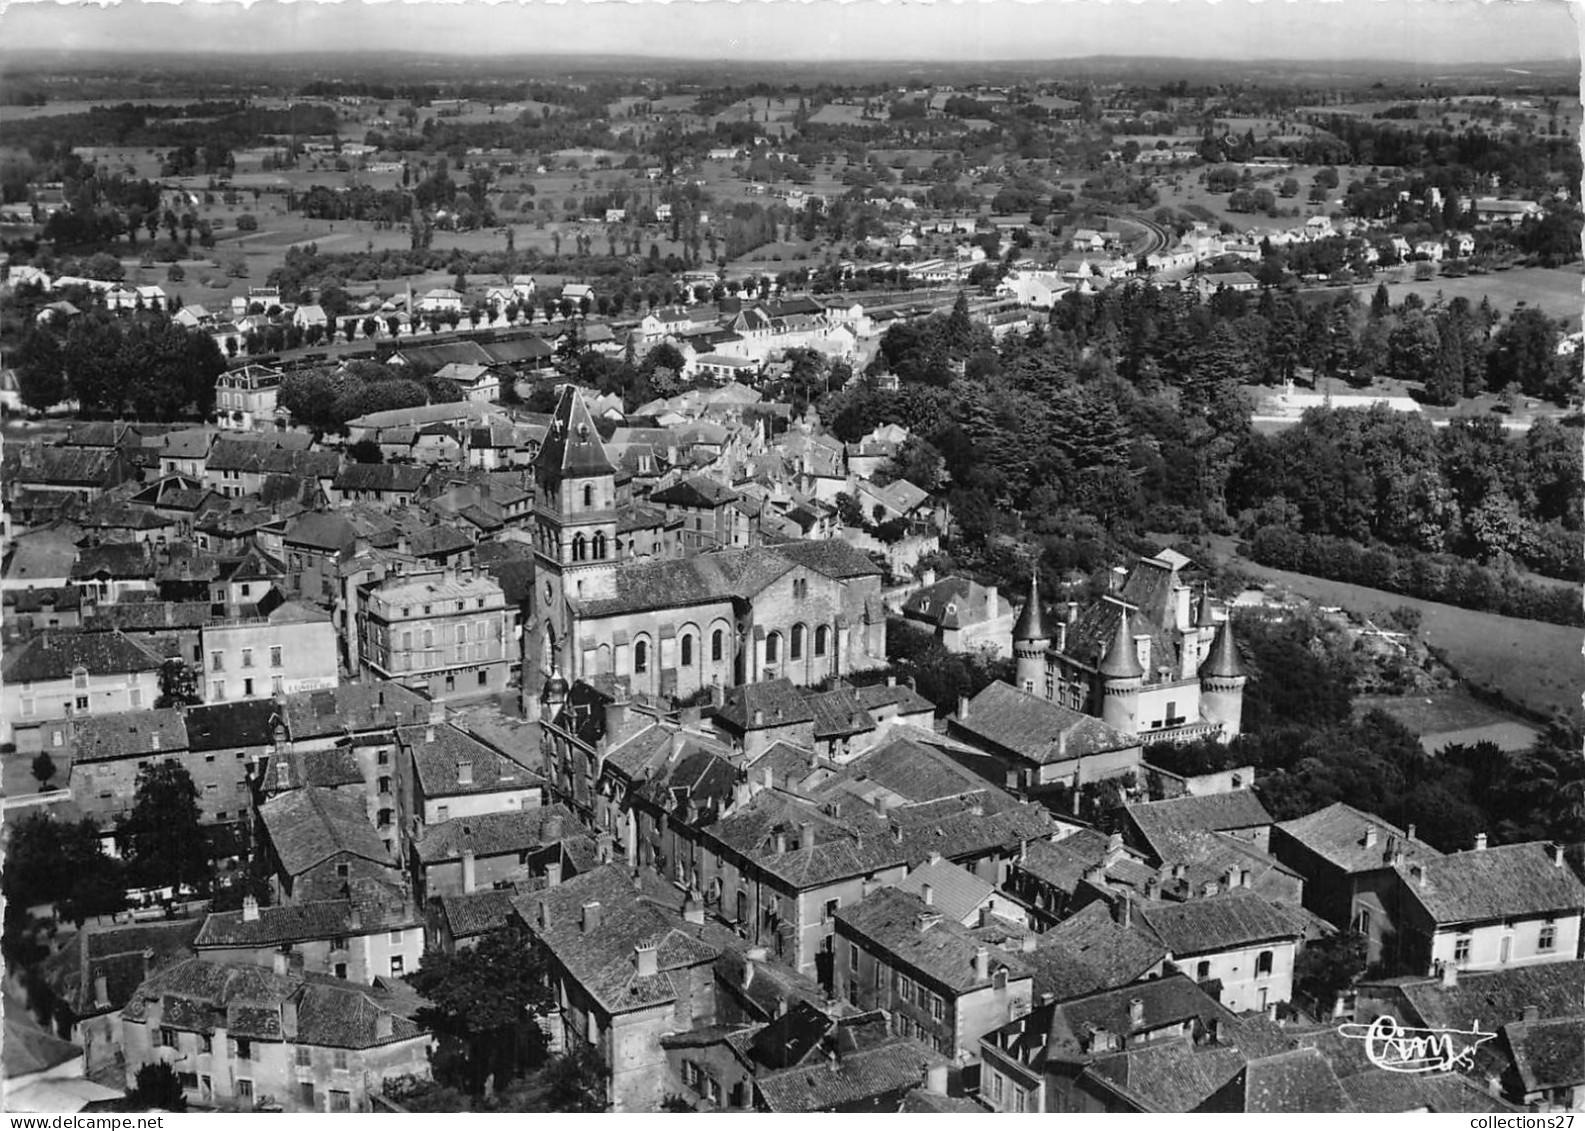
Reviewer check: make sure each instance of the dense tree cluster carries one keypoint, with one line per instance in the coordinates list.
(145, 365)
(325, 398)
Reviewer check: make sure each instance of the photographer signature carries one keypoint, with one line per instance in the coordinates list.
(1400, 1048)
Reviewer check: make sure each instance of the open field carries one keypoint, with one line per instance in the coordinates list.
(1533, 664)
(1453, 717)
(1555, 290)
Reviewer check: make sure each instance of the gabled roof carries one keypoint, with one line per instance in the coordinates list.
(573, 448)
(772, 703)
(440, 754)
(1493, 997)
(1341, 835)
(954, 891)
(380, 477)
(117, 952)
(354, 707)
(940, 949)
(955, 602)
(56, 655)
(1231, 921)
(1037, 729)
(128, 734)
(717, 576)
(699, 492)
(1294, 1082)
(309, 826)
(1169, 1076)
(230, 726)
(1547, 1054)
(1167, 827)
(1505, 882)
(495, 834)
(834, 559)
(1090, 952)
(364, 914)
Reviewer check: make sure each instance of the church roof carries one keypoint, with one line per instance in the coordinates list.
(572, 449)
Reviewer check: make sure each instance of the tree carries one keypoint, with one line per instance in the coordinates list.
(365, 451)
(40, 370)
(1328, 966)
(178, 685)
(48, 861)
(161, 838)
(44, 768)
(575, 1081)
(483, 1003)
(157, 1089)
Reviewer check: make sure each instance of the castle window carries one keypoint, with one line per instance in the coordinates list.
(640, 658)
(717, 645)
(795, 649)
(822, 640)
(773, 648)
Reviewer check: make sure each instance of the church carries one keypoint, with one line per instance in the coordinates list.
(1147, 660)
(804, 611)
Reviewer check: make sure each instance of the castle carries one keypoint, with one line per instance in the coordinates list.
(1148, 660)
(804, 611)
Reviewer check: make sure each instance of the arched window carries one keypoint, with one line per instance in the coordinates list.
(640, 657)
(822, 640)
(599, 546)
(580, 547)
(773, 648)
(795, 650)
(687, 651)
(588, 494)
(1263, 964)
(717, 645)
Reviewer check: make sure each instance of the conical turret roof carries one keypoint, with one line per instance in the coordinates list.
(1032, 620)
(1205, 619)
(572, 448)
(1223, 662)
(1122, 658)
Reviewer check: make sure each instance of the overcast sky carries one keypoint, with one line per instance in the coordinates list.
(1423, 31)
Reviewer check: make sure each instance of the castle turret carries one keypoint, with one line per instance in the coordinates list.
(1222, 682)
(1030, 641)
(1122, 677)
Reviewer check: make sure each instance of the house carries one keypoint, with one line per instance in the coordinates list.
(1506, 212)
(315, 841)
(964, 615)
(941, 984)
(489, 851)
(372, 932)
(243, 1037)
(441, 300)
(1351, 861)
(226, 743)
(445, 773)
(1036, 747)
(309, 316)
(1237, 939)
(444, 632)
(291, 648)
(107, 751)
(1515, 904)
(387, 484)
(1166, 830)
(63, 675)
(960, 895)
(624, 974)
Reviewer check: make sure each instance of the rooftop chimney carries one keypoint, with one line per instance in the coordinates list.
(429, 734)
(646, 959)
(464, 772)
(982, 964)
(1480, 842)
(281, 961)
(1532, 1014)
(990, 600)
(1136, 1012)
(591, 917)
(288, 1015)
(1409, 832)
(1449, 973)
(1370, 836)
(759, 717)
(781, 842)
(928, 894)
(1557, 855)
(469, 873)
(692, 910)
(806, 835)
(148, 962)
(101, 990)
(250, 909)
(963, 706)
(936, 1079)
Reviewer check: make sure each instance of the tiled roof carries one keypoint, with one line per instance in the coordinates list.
(494, 834)
(907, 766)
(1548, 1054)
(380, 477)
(55, 655)
(838, 714)
(1338, 835)
(1168, 826)
(1293, 1083)
(1036, 728)
(1505, 882)
(602, 961)
(304, 922)
(127, 734)
(700, 492)
(308, 826)
(831, 851)
(848, 1080)
(709, 577)
(1231, 921)
(322, 531)
(438, 760)
(955, 891)
(230, 726)
(1088, 953)
(939, 948)
(834, 559)
(781, 703)
(354, 707)
(1063, 863)
(476, 912)
(1172, 1076)
(117, 953)
(905, 699)
(1495, 997)
(1377, 1090)
(1167, 1001)
(327, 769)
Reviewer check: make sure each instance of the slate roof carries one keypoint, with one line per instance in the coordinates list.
(309, 826)
(55, 655)
(1505, 882)
(495, 834)
(127, 734)
(1168, 827)
(573, 447)
(955, 602)
(230, 726)
(1337, 835)
(716, 576)
(1294, 1082)
(436, 763)
(602, 961)
(1224, 922)
(1037, 729)
(1548, 1054)
(943, 950)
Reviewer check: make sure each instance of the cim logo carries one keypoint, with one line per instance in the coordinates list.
(1400, 1048)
